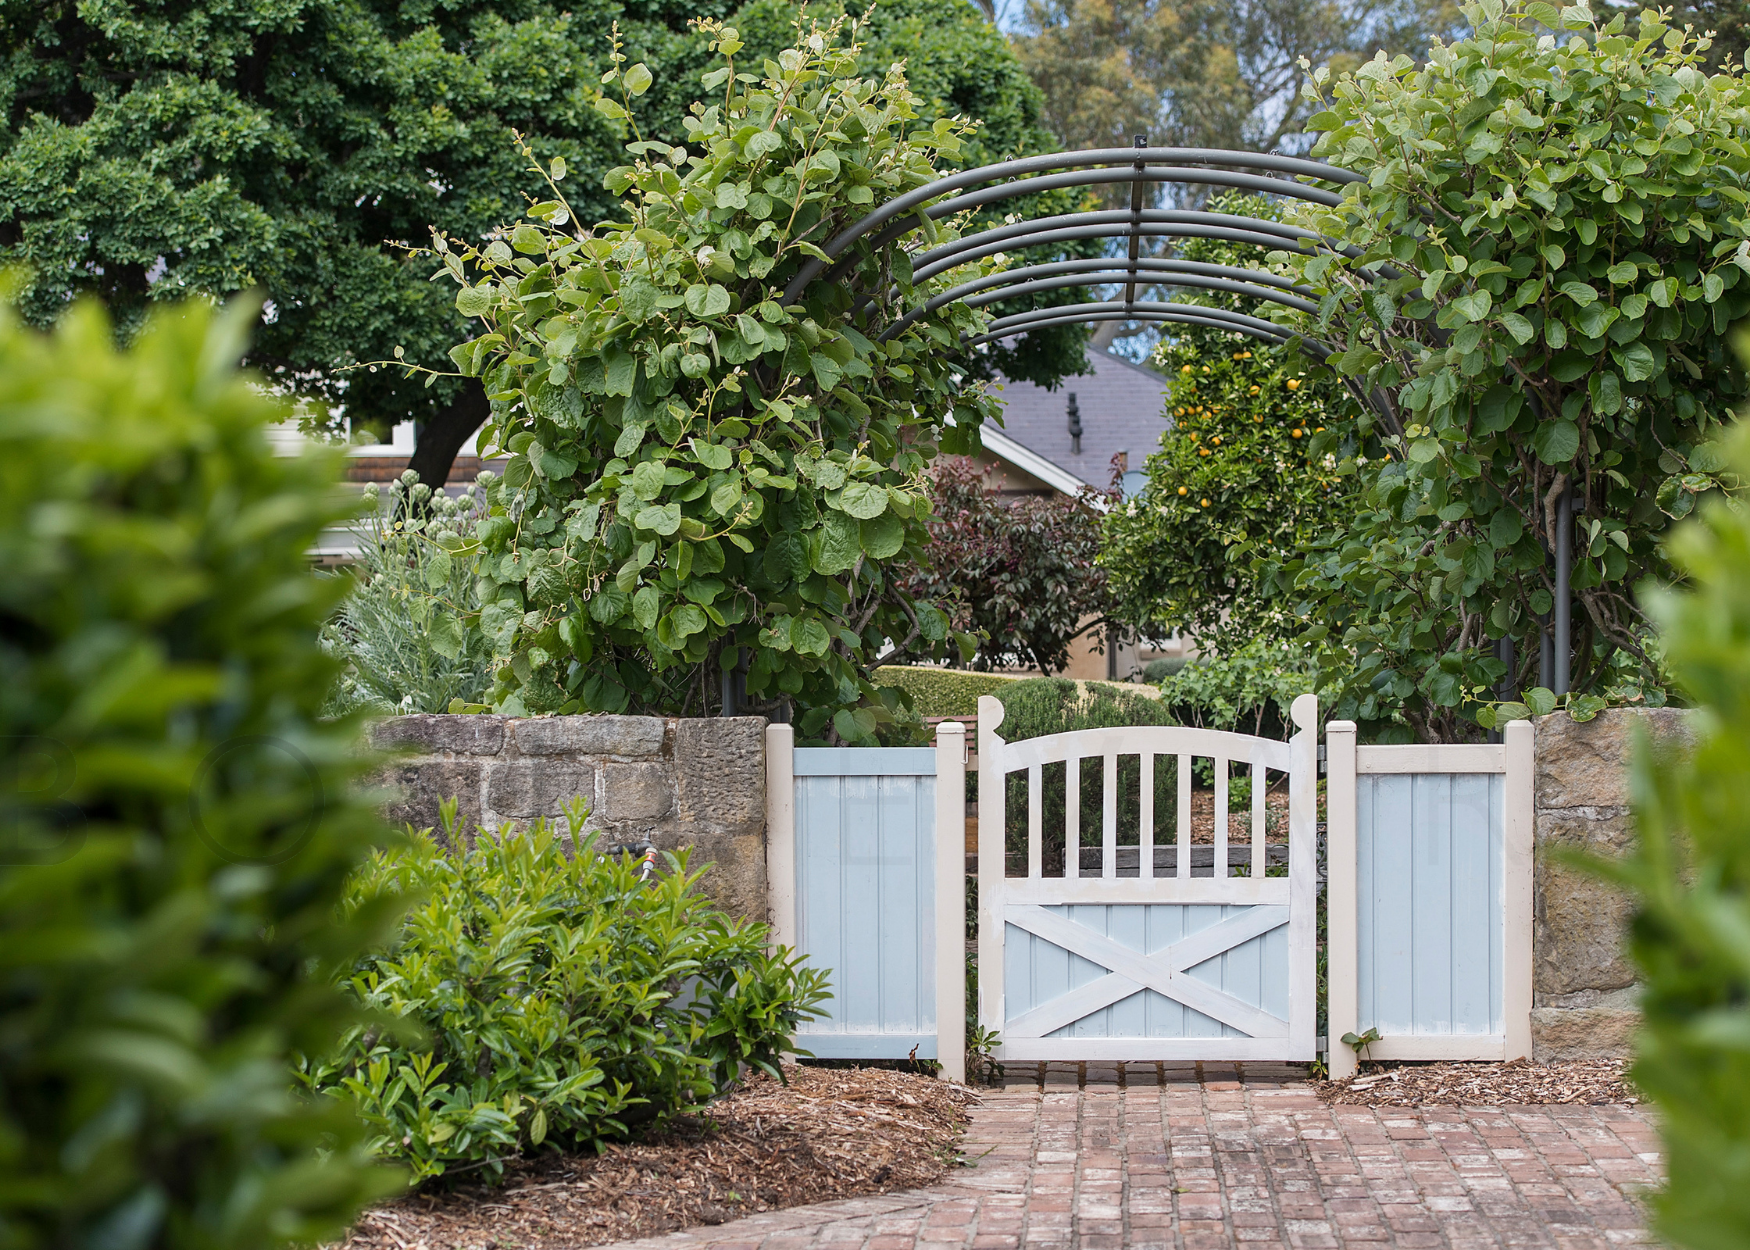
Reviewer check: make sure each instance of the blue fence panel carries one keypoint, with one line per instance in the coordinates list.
(865, 897)
(1429, 902)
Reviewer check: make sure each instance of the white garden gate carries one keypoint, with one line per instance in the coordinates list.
(1161, 947)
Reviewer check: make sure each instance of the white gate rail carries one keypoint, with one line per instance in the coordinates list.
(1429, 881)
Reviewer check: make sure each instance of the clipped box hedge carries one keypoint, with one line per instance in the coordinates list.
(942, 691)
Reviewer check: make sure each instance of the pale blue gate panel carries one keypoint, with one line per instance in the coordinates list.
(1429, 899)
(865, 897)
(1036, 971)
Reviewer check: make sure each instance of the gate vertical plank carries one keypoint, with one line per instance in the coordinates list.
(1072, 818)
(1222, 768)
(1182, 836)
(1035, 821)
(1475, 958)
(1109, 816)
(950, 872)
(1145, 816)
(1260, 822)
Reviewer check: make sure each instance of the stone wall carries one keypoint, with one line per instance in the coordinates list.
(1583, 987)
(674, 782)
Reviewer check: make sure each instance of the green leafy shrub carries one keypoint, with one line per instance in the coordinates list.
(942, 691)
(699, 469)
(1541, 269)
(1247, 691)
(177, 823)
(1690, 877)
(556, 998)
(400, 630)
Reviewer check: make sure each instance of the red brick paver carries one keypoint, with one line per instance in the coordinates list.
(1196, 1158)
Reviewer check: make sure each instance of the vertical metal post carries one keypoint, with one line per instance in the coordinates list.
(1545, 653)
(734, 686)
(1135, 226)
(1561, 627)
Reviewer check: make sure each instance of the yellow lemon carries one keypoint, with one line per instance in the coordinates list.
(1298, 433)
(1183, 491)
(1206, 503)
(1254, 390)
(1203, 451)
(1294, 384)
(1186, 369)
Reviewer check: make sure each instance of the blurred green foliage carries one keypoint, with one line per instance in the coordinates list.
(558, 997)
(1690, 878)
(176, 823)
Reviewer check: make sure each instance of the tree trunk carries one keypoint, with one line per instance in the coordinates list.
(442, 437)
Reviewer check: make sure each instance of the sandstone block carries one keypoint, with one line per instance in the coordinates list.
(1585, 763)
(1603, 1027)
(1580, 927)
(525, 789)
(720, 771)
(429, 734)
(418, 788)
(636, 792)
(590, 735)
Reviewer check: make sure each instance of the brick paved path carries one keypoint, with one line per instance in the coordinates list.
(1247, 1157)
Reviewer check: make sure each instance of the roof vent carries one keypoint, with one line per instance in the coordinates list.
(1075, 426)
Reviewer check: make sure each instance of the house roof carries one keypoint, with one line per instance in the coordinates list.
(1122, 408)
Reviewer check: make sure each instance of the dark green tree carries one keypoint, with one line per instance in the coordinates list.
(153, 150)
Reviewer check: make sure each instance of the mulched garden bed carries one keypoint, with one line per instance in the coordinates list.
(1592, 1082)
(828, 1134)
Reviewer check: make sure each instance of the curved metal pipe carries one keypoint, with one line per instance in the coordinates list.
(1154, 173)
(1120, 276)
(1119, 306)
(1094, 232)
(1051, 269)
(1109, 277)
(1140, 313)
(900, 205)
(1273, 230)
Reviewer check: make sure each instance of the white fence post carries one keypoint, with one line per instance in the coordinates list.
(992, 831)
(951, 899)
(1341, 935)
(781, 834)
(1517, 877)
(1303, 854)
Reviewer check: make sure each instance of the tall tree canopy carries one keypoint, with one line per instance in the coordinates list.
(152, 150)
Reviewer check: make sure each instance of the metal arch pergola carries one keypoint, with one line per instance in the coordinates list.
(1141, 165)
(1257, 172)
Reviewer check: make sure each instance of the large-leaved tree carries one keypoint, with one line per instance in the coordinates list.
(1546, 257)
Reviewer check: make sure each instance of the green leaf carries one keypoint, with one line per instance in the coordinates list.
(663, 520)
(648, 479)
(644, 606)
(444, 633)
(840, 544)
(1519, 327)
(638, 79)
(1556, 441)
(863, 500)
(1582, 293)
(1540, 701)
(1637, 361)
(883, 537)
(809, 637)
(638, 298)
(476, 301)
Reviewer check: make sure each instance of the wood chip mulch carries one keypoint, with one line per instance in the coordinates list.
(1592, 1082)
(828, 1134)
